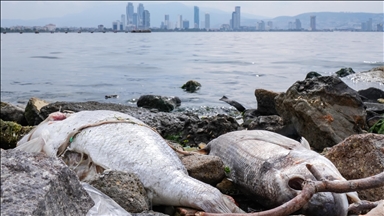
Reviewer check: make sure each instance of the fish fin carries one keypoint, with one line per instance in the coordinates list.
(305, 143)
(34, 145)
(353, 197)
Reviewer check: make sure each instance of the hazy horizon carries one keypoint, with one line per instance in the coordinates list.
(49, 9)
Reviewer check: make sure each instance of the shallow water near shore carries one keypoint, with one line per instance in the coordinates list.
(87, 67)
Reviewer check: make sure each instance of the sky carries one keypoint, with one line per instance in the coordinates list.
(27, 10)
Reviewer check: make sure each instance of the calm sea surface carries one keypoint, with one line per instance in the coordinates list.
(85, 67)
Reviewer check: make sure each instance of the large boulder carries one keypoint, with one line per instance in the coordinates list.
(125, 189)
(35, 184)
(161, 103)
(371, 94)
(13, 113)
(360, 156)
(266, 102)
(11, 133)
(32, 111)
(324, 110)
(206, 168)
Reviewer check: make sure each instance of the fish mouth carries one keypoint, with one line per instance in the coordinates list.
(323, 203)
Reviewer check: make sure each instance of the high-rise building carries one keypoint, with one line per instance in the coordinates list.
(185, 24)
(313, 23)
(207, 21)
(261, 26)
(270, 25)
(196, 15)
(179, 21)
(146, 19)
(238, 23)
(369, 24)
(234, 21)
(129, 13)
(140, 11)
(380, 27)
(114, 26)
(135, 20)
(166, 21)
(298, 24)
(123, 21)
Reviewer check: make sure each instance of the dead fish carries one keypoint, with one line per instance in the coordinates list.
(109, 140)
(271, 168)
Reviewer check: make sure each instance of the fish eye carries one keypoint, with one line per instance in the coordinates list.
(295, 183)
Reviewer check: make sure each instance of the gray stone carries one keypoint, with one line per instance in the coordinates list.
(373, 75)
(35, 184)
(32, 111)
(312, 74)
(206, 168)
(270, 123)
(374, 107)
(191, 86)
(161, 103)
(266, 102)
(324, 110)
(125, 189)
(11, 133)
(360, 156)
(371, 94)
(343, 72)
(12, 113)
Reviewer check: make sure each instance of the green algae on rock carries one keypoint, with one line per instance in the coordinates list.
(12, 132)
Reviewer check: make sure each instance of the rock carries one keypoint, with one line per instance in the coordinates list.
(312, 74)
(360, 156)
(371, 94)
(12, 113)
(227, 187)
(343, 72)
(266, 102)
(373, 75)
(161, 103)
(324, 110)
(11, 133)
(206, 168)
(270, 123)
(32, 111)
(191, 86)
(207, 129)
(35, 184)
(125, 189)
(374, 107)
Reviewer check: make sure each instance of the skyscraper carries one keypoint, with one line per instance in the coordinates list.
(185, 24)
(196, 17)
(140, 11)
(207, 21)
(146, 19)
(298, 24)
(313, 23)
(237, 24)
(129, 13)
(166, 21)
(180, 22)
(234, 21)
(123, 21)
(135, 20)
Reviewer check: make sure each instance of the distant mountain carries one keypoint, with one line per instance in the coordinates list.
(105, 13)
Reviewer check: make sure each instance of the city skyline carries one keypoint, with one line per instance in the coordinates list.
(42, 9)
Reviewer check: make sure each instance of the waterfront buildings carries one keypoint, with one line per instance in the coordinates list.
(235, 21)
(146, 19)
(196, 18)
(123, 21)
(207, 21)
(261, 26)
(185, 24)
(179, 21)
(166, 21)
(140, 11)
(313, 23)
(298, 24)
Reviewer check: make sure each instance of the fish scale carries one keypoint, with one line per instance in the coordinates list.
(132, 147)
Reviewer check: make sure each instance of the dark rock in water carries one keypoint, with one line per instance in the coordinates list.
(360, 156)
(111, 96)
(235, 104)
(324, 110)
(12, 113)
(371, 94)
(125, 189)
(191, 86)
(11, 133)
(266, 102)
(35, 184)
(161, 103)
(32, 111)
(343, 72)
(206, 168)
(312, 74)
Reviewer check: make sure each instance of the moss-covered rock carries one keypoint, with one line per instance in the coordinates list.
(12, 132)
(191, 86)
(343, 72)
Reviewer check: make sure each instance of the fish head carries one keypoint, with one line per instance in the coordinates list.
(323, 203)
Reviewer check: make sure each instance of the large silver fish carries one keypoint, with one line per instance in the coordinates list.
(271, 168)
(116, 141)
